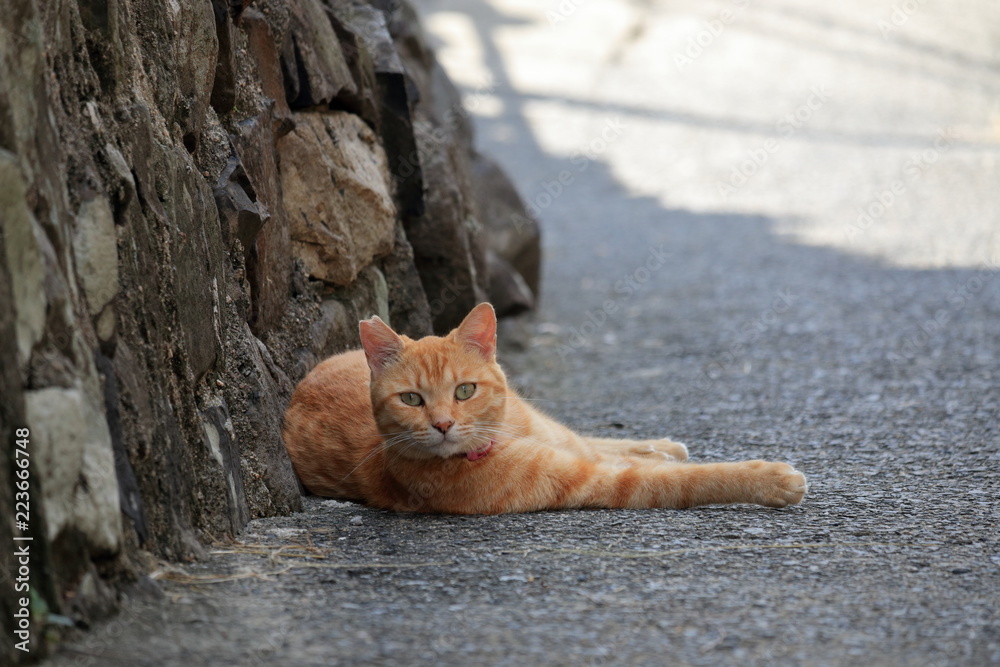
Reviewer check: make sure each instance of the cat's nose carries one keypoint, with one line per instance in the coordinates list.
(443, 426)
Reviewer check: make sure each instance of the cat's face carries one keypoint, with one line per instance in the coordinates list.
(437, 397)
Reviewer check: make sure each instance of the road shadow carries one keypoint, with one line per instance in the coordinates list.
(718, 313)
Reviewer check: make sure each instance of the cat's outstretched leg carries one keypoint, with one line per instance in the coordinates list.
(663, 449)
(681, 485)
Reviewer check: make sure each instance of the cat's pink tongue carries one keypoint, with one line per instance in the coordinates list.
(475, 456)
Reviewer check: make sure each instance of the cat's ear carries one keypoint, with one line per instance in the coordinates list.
(382, 344)
(479, 330)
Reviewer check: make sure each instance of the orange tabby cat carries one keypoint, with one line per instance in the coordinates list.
(430, 425)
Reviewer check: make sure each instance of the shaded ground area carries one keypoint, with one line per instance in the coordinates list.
(800, 314)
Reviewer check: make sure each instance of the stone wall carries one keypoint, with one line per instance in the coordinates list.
(198, 201)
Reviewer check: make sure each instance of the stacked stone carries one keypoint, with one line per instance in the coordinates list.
(198, 201)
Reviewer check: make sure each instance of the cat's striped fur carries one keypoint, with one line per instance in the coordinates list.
(489, 452)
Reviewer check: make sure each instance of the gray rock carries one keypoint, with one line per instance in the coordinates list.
(224, 84)
(448, 244)
(312, 61)
(509, 293)
(269, 256)
(96, 251)
(409, 311)
(74, 460)
(513, 233)
(241, 215)
(195, 53)
(23, 259)
(337, 192)
(375, 62)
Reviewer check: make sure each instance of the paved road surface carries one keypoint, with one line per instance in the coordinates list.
(771, 231)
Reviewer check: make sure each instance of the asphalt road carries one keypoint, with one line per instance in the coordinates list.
(771, 230)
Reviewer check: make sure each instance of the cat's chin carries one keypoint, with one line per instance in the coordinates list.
(429, 444)
(449, 450)
(446, 449)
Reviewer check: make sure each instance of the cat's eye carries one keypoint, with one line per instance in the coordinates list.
(411, 398)
(464, 391)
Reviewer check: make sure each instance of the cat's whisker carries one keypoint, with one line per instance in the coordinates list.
(409, 439)
(502, 433)
(495, 424)
(399, 453)
(521, 398)
(403, 435)
(364, 460)
(382, 446)
(495, 435)
(406, 432)
(386, 446)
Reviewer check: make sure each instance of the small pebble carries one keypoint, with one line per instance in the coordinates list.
(357, 521)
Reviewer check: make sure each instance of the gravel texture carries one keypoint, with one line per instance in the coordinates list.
(779, 326)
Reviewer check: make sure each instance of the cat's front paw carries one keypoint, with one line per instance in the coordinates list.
(779, 484)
